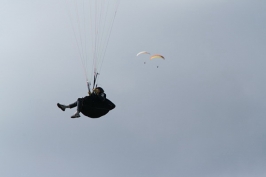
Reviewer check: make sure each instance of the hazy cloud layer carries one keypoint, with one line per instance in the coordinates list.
(200, 114)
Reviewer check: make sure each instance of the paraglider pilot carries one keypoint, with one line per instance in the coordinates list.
(95, 105)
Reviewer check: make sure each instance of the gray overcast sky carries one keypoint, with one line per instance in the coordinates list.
(200, 114)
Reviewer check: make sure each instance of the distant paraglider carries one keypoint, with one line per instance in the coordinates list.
(152, 57)
(157, 56)
(143, 52)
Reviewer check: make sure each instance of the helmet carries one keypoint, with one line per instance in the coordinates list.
(98, 90)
